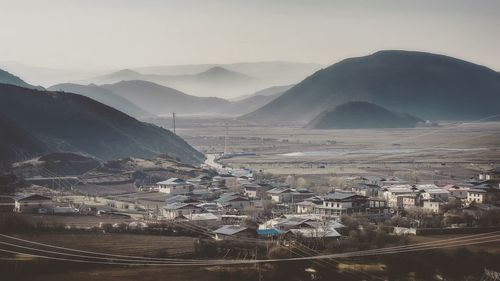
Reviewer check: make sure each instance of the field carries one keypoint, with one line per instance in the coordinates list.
(449, 152)
(122, 244)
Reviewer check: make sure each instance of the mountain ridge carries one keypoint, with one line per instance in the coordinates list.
(428, 85)
(75, 123)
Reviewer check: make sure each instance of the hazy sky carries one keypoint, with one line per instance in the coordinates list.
(127, 33)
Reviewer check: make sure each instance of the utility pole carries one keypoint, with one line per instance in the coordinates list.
(225, 139)
(173, 116)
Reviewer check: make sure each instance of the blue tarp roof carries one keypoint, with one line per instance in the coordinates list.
(268, 231)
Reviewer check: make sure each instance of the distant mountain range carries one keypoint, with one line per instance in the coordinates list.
(425, 85)
(362, 115)
(228, 81)
(269, 73)
(143, 99)
(68, 122)
(215, 81)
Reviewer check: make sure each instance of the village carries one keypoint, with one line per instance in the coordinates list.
(233, 203)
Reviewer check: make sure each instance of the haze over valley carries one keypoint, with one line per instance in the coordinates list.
(250, 140)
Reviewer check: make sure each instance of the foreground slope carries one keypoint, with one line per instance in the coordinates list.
(426, 85)
(70, 122)
(16, 143)
(362, 115)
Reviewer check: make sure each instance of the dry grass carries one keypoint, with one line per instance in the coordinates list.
(123, 244)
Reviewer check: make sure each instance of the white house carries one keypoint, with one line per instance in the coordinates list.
(392, 194)
(432, 206)
(174, 186)
(476, 196)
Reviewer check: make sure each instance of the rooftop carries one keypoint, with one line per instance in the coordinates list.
(230, 229)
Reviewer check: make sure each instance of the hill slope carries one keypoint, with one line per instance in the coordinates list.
(163, 100)
(274, 91)
(362, 115)
(104, 96)
(16, 143)
(426, 85)
(11, 79)
(69, 122)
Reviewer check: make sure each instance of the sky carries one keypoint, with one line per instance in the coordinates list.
(118, 34)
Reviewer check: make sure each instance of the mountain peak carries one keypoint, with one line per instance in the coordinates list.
(126, 71)
(219, 71)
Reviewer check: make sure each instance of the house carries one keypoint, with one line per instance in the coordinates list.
(233, 201)
(305, 207)
(366, 189)
(301, 194)
(478, 196)
(280, 194)
(288, 195)
(391, 194)
(314, 230)
(440, 194)
(407, 201)
(457, 191)
(33, 203)
(306, 226)
(174, 186)
(432, 206)
(175, 210)
(203, 180)
(341, 203)
(204, 219)
(491, 175)
(233, 232)
(257, 190)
